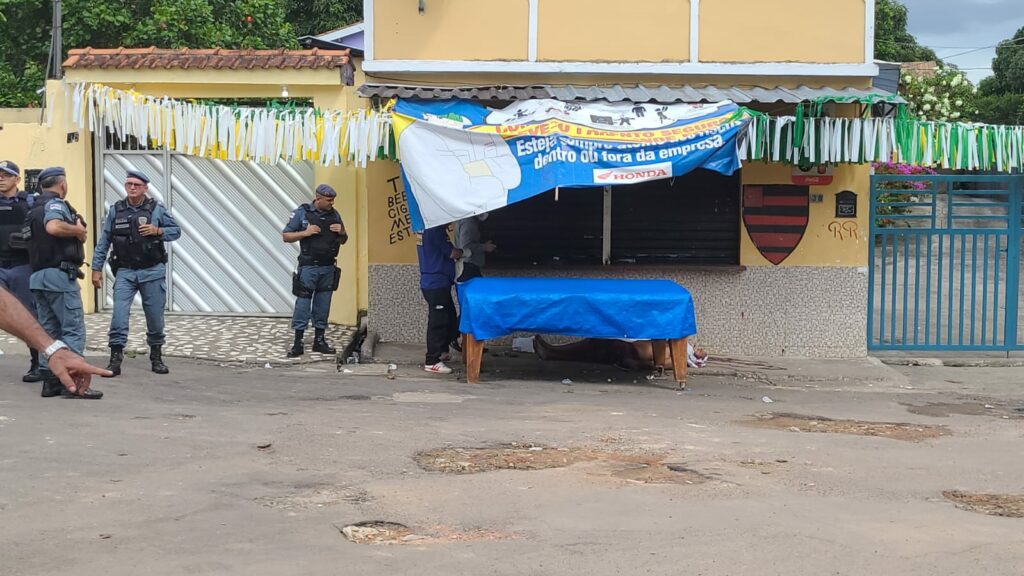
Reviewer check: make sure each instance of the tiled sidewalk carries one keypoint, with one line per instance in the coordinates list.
(218, 338)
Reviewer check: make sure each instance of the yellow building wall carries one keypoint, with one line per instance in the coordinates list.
(34, 145)
(827, 241)
(809, 31)
(638, 31)
(391, 240)
(451, 30)
(812, 31)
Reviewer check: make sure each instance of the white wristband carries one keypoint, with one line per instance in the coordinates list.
(52, 348)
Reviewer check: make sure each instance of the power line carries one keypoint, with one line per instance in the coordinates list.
(1014, 42)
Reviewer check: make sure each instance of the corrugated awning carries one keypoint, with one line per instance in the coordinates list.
(623, 93)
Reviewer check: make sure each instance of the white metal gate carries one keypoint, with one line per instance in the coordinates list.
(230, 258)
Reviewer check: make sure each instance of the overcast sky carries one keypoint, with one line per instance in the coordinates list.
(955, 26)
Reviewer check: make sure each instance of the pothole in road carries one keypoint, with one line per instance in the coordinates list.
(384, 532)
(511, 456)
(661, 474)
(946, 409)
(1006, 505)
(804, 423)
(646, 468)
(318, 497)
(376, 532)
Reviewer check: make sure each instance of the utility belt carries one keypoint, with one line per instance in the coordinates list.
(317, 261)
(73, 270)
(300, 290)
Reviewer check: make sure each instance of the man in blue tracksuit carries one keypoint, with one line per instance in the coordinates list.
(437, 274)
(14, 267)
(136, 227)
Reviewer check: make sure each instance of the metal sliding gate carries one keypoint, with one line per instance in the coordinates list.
(230, 258)
(945, 263)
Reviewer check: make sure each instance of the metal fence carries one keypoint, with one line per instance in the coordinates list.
(945, 263)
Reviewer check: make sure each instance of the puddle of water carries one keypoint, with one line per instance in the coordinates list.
(1006, 505)
(804, 423)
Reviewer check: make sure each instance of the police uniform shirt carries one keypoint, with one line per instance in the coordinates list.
(161, 218)
(298, 221)
(54, 279)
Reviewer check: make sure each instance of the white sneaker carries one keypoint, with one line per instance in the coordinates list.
(438, 368)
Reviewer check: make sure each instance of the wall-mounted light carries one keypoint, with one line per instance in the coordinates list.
(423, 6)
(284, 91)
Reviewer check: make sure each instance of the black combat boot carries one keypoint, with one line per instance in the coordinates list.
(156, 358)
(297, 348)
(33, 374)
(320, 343)
(52, 386)
(116, 357)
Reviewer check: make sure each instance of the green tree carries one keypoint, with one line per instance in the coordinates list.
(112, 23)
(893, 42)
(311, 17)
(1007, 67)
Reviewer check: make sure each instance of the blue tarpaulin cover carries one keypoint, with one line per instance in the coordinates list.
(590, 308)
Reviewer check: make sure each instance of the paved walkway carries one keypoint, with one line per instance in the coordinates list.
(218, 338)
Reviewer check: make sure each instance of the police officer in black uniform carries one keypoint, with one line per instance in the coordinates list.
(14, 267)
(56, 236)
(318, 229)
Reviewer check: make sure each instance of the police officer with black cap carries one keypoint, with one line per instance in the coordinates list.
(136, 227)
(14, 266)
(56, 236)
(318, 229)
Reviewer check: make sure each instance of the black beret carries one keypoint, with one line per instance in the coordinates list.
(51, 172)
(326, 191)
(138, 175)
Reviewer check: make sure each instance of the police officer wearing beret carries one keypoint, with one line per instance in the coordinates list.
(318, 229)
(14, 266)
(136, 228)
(56, 237)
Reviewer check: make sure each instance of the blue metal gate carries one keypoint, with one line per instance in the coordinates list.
(945, 263)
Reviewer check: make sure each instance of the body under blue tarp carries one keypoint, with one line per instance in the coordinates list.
(589, 308)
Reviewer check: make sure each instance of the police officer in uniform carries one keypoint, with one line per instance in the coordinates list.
(56, 236)
(318, 229)
(136, 227)
(14, 267)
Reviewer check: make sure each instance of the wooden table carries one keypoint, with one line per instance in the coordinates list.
(473, 352)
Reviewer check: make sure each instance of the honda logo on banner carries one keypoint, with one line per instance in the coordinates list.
(633, 174)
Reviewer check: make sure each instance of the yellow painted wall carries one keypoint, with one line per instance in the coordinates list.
(637, 31)
(828, 241)
(391, 240)
(33, 145)
(451, 30)
(812, 31)
(818, 31)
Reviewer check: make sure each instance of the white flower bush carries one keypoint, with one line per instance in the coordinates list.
(947, 96)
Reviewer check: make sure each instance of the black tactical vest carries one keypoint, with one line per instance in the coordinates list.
(320, 249)
(132, 249)
(45, 250)
(12, 219)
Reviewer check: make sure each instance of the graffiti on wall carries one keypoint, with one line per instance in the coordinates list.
(845, 230)
(399, 225)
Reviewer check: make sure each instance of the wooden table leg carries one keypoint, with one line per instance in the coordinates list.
(679, 360)
(660, 354)
(472, 353)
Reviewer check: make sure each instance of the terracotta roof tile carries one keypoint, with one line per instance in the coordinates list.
(200, 59)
